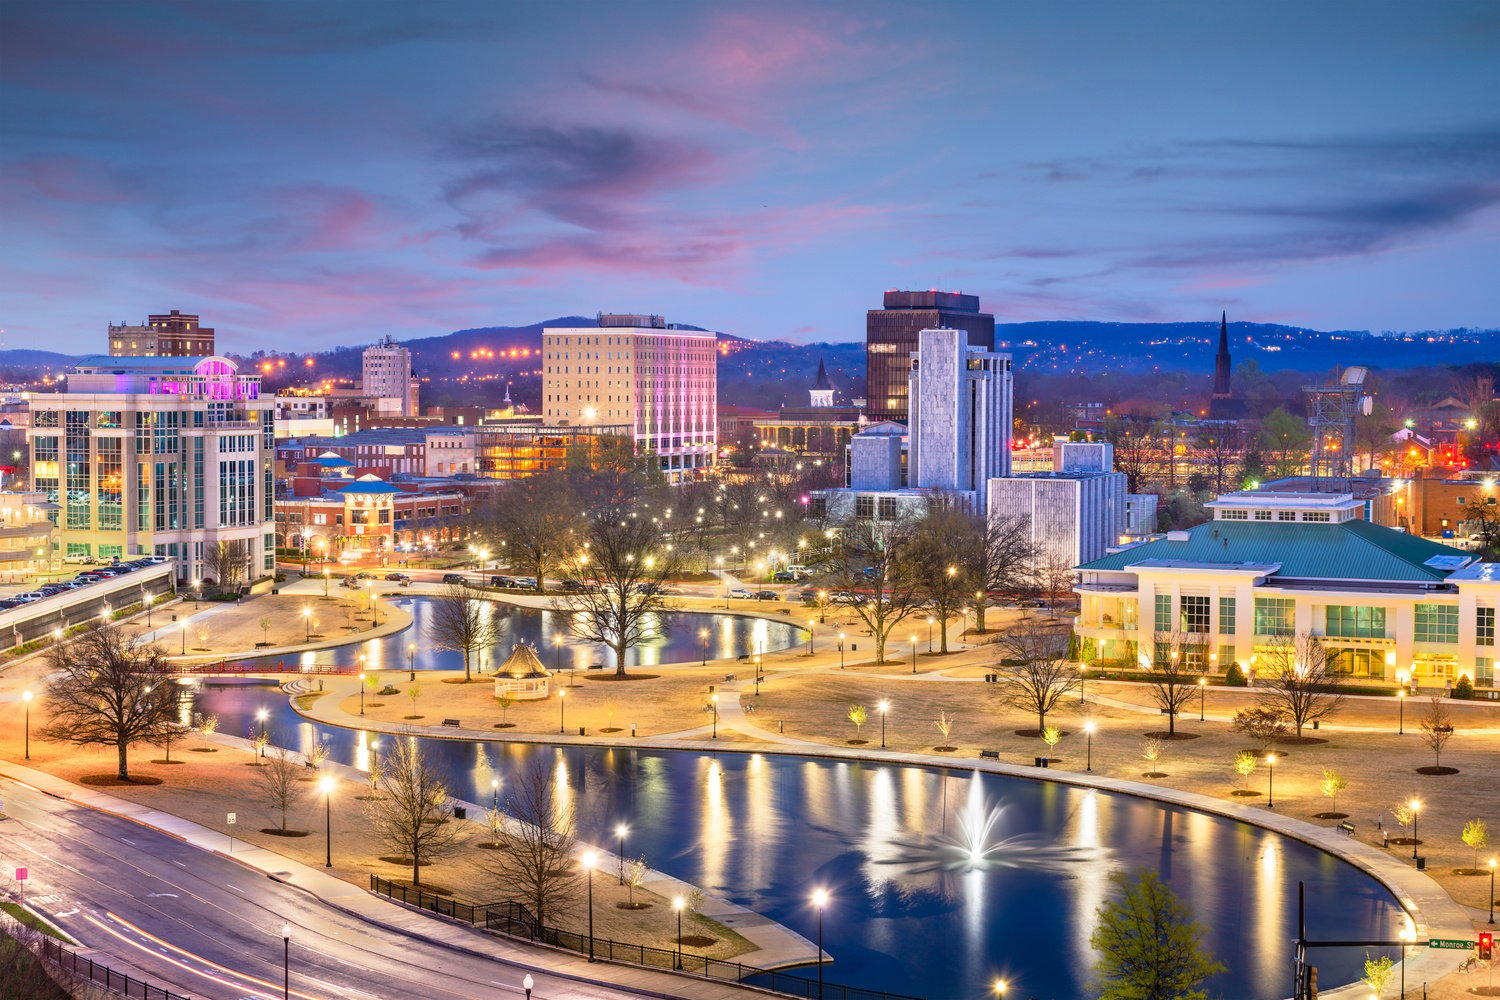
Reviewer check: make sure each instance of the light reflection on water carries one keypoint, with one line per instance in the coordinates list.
(764, 830)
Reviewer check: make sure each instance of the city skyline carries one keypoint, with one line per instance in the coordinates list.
(322, 175)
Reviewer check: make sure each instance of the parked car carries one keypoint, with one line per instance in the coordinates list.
(10, 602)
(455, 578)
(77, 559)
(502, 581)
(572, 586)
(524, 582)
(398, 577)
(787, 576)
(741, 593)
(767, 595)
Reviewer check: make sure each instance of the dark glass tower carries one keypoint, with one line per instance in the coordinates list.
(891, 337)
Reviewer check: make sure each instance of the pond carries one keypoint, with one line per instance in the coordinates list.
(888, 842)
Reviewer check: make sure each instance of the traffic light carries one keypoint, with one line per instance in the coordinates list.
(1486, 945)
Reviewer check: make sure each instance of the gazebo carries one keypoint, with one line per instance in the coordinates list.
(522, 676)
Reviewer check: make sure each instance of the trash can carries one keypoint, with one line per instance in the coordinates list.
(1422, 863)
(1036, 762)
(1046, 761)
(1315, 723)
(582, 731)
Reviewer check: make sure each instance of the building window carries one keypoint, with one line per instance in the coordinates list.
(1234, 515)
(1484, 671)
(1356, 663)
(1286, 515)
(1163, 612)
(864, 508)
(1226, 657)
(1436, 623)
(1317, 515)
(1484, 626)
(1355, 622)
(888, 509)
(1226, 616)
(1262, 515)
(1275, 615)
(1194, 614)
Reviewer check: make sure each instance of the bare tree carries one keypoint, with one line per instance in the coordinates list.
(1036, 674)
(536, 521)
(1172, 682)
(534, 862)
(935, 568)
(1263, 725)
(1437, 729)
(411, 817)
(463, 623)
(279, 784)
(870, 563)
(623, 563)
(1297, 681)
(169, 735)
(226, 563)
(107, 691)
(993, 555)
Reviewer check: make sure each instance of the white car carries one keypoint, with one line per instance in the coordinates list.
(741, 592)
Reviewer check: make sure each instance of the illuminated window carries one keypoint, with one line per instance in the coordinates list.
(1226, 616)
(1484, 626)
(1356, 622)
(1436, 623)
(1275, 615)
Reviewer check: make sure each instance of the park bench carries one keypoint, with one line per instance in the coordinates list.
(990, 754)
(1346, 828)
(451, 722)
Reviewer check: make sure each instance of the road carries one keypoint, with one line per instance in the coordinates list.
(204, 926)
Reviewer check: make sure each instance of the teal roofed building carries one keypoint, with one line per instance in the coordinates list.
(1277, 567)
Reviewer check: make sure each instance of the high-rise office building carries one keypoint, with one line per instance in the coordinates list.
(959, 429)
(164, 335)
(387, 374)
(159, 456)
(891, 337)
(658, 381)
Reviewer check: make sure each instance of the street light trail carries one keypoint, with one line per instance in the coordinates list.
(185, 965)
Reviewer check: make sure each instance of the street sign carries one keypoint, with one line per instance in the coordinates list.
(21, 874)
(230, 821)
(1453, 944)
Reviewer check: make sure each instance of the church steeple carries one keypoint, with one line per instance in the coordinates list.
(822, 391)
(1221, 362)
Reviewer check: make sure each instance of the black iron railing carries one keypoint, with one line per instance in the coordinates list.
(102, 975)
(515, 920)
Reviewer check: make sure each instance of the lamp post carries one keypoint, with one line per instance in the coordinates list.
(184, 638)
(326, 784)
(325, 582)
(703, 637)
(1202, 696)
(841, 651)
(260, 716)
(590, 859)
(286, 961)
(811, 640)
(930, 621)
(999, 987)
(1088, 729)
(1400, 711)
(820, 900)
(913, 639)
(307, 624)
(361, 691)
(677, 904)
(411, 660)
(197, 593)
(620, 830)
(526, 984)
(713, 701)
(822, 605)
(1270, 781)
(1416, 806)
(26, 700)
(494, 793)
(1407, 935)
(375, 756)
(884, 707)
(562, 710)
(1083, 672)
(1492, 889)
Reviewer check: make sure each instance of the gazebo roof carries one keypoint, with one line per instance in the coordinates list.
(522, 664)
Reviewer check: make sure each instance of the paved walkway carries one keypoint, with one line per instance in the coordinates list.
(366, 906)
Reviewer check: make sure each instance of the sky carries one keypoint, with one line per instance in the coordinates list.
(307, 175)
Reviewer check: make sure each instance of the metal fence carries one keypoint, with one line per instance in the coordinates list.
(515, 920)
(102, 975)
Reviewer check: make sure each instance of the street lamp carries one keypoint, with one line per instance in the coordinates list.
(1416, 806)
(184, 638)
(526, 984)
(411, 660)
(562, 710)
(820, 900)
(1083, 672)
(713, 700)
(1088, 728)
(703, 635)
(286, 960)
(841, 651)
(811, 638)
(1492, 889)
(677, 904)
(260, 716)
(494, 793)
(913, 639)
(1202, 696)
(1271, 781)
(999, 987)
(1408, 934)
(930, 621)
(307, 624)
(326, 784)
(1400, 711)
(325, 581)
(590, 859)
(361, 691)
(620, 830)
(884, 707)
(822, 605)
(26, 699)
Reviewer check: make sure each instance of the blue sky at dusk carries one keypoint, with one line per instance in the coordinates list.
(312, 174)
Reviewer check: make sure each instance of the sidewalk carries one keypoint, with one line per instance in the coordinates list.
(413, 923)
